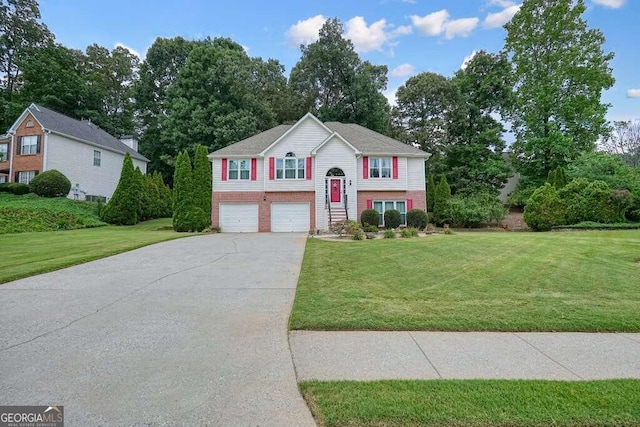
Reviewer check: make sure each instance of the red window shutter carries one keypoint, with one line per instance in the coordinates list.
(365, 168)
(308, 167)
(224, 169)
(369, 204)
(272, 168)
(395, 168)
(254, 169)
(409, 204)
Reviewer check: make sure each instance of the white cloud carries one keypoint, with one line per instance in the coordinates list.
(498, 19)
(390, 94)
(432, 24)
(468, 59)
(502, 3)
(633, 93)
(402, 30)
(130, 49)
(408, 1)
(246, 48)
(365, 37)
(614, 4)
(306, 31)
(402, 70)
(460, 27)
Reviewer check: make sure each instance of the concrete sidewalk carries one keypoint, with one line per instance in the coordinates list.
(367, 356)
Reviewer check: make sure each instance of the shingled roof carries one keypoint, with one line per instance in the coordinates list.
(364, 140)
(81, 130)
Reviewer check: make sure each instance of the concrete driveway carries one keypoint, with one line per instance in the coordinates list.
(188, 332)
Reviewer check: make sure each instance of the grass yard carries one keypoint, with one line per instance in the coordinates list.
(27, 254)
(573, 281)
(474, 403)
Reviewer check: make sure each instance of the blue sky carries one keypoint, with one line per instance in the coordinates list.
(409, 36)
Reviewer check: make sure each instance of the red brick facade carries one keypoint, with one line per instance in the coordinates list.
(264, 200)
(419, 198)
(27, 162)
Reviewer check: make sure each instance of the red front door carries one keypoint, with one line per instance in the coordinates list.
(336, 190)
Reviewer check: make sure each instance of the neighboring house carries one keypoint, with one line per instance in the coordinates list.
(305, 176)
(42, 139)
(511, 183)
(5, 140)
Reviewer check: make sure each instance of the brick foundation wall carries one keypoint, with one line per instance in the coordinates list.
(264, 206)
(419, 198)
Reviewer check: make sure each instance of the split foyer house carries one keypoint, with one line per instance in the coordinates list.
(308, 175)
(42, 139)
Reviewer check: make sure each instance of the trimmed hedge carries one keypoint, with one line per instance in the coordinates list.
(51, 183)
(392, 218)
(370, 217)
(16, 188)
(417, 218)
(544, 209)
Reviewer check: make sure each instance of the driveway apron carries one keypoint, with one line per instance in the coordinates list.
(187, 332)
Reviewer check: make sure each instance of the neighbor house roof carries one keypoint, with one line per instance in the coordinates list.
(364, 140)
(82, 130)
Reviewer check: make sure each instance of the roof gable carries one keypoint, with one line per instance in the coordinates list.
(306, 117)
(329, 138)
(82, 131)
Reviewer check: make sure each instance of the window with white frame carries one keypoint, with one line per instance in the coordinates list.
(239, 169)
(25, 177)
(3, 179)
(386, 205)
(290, 167)
(380, 167)
(4, 150)
(97, 158)
(29, 144)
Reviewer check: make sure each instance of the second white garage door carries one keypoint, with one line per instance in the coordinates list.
(290, 217)
(239, 217)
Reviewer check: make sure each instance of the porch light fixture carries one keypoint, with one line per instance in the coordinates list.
(349, 183)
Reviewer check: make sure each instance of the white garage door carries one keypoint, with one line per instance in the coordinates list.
(290, 217)
(238, 217)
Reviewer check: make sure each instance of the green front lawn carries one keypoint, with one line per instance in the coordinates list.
(574, 281)
(474, 403)
(27, 254)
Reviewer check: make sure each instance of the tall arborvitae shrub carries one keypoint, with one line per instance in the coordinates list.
(138, 190)
(122, 209)
(431, 193)
(165, 202)
(150, 198)
(441, 201)
(183, 202)
(202, 187)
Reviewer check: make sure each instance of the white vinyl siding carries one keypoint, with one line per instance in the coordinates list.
(386, 184)
(238, 217)
(416, 174)
(234, 185)
(290, 217)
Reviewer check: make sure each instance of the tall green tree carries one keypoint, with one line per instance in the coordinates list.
(474, 143)
(158, 72)
(331, 81)
(441, 203)
(214, 101)
(431, 192)
(124, 205)
(21, 33)
(560, 70)
(202, 185)
(423, 103)
(183, 200)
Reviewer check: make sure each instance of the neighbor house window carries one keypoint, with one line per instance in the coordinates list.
(4, 149)
(29, 144)
(290, 167)
(3, 179)
(380, 167)
(96, 158)
(25, 177)
(239, 169)
(386, 205)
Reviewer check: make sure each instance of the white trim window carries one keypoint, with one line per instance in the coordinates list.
(239, 169)
(3, 179)
(29, 144)
(380, 167)
(97, 158)
(381, 206)
(25, 177)
(4, 151)
(290, 167)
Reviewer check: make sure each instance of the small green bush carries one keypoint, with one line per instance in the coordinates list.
(544, 209)
(405, 234)
(16, 188)
(417, 218)
(389, 234)
(370, 228)
(358, 235)
(369, 217)
(594, 201)
(414, 232)
(51, 183)
(392, 218)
